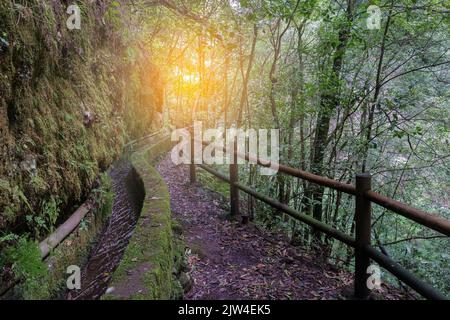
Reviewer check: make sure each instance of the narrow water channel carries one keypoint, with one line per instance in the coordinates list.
(110, 247)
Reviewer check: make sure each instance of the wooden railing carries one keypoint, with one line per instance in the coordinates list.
(127, 148)
(364, 198)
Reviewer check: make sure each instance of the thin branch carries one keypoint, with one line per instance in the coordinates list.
(413, 238)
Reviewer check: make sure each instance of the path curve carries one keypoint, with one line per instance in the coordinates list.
(231, 261)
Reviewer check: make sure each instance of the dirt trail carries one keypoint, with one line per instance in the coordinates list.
(231, 261)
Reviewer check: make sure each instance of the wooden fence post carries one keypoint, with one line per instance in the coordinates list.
(234, 191)
(192, 173)
(362, 234)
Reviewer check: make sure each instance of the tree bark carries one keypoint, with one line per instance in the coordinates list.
(329, 100)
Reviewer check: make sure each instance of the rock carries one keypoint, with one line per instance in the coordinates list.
(186, 281)
(89, 118)
(29, 164)
(4, 45)
(184, 267)
(110, 290)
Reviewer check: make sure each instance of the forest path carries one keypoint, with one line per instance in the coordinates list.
(232, 261)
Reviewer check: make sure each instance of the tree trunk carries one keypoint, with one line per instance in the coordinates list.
(329, 100)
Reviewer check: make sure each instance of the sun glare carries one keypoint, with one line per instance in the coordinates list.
(191, 78)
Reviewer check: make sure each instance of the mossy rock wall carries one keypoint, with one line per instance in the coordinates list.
(146, 270)
(75, 249)
(48, 278)
(69, 100)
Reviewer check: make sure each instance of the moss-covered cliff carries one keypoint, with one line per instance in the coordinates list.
(67, 98)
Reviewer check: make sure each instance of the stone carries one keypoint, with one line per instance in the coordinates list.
(186, 281)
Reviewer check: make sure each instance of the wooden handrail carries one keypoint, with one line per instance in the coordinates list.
(339, 235)
(404, 275)
(323, 181)
(53, 240)
(364, 197)
(151, 135)
(428, 220)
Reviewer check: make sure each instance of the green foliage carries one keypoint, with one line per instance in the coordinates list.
(104, 195)
(38, 183)
(8, 238)
(44, 222)
(25, 260)
(213, 183)
(380, 98)
(84, 225)
(50, 211)
(50, 76)
(113, 15)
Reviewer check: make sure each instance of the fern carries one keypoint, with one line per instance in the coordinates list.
(25, 259)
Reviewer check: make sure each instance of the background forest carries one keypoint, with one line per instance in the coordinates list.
(347, 99)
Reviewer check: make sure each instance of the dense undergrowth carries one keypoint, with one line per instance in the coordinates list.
(21, 261)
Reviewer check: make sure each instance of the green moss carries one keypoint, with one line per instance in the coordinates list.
(75, 248)
(44, 280)
(25, 260)
(50, 76)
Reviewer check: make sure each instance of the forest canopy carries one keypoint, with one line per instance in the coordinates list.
(348, 94)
